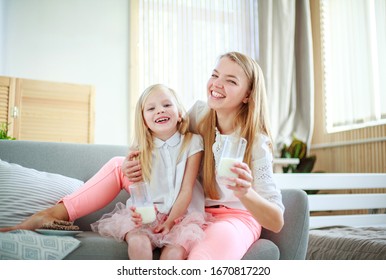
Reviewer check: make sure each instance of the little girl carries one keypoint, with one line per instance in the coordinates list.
(170, 159)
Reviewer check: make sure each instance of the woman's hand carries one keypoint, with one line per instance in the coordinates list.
(244, 180)
(131, 167)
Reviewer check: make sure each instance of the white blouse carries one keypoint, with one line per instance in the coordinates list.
(262, 166)
(167, 173)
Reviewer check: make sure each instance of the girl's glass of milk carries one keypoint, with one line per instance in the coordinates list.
(233, 151)
(141, 199)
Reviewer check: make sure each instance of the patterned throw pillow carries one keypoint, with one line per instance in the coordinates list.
(25, 191)
(29, 245)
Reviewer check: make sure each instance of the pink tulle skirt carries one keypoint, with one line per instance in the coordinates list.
(188, 230)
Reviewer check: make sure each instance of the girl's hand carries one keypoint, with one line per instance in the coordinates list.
(131, 167)
(136, 217)
(244, 180)
(164, 228)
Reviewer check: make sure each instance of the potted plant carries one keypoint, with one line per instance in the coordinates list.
(4, 132)
(298, 149)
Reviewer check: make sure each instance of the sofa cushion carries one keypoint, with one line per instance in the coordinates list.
(262, 249)
(29, 245)
(95, 247)
(25, 191)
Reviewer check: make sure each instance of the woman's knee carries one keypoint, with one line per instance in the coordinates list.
(116, 161)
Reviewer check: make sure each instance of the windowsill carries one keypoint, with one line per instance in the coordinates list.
(279, 163)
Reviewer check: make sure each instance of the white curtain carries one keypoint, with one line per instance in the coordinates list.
(180, 40)
(286, 58)
(354, 59)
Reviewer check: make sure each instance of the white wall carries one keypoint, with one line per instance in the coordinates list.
(73, 41)
(2, 21)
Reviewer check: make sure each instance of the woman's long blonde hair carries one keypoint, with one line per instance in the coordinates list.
(143, 137)
(251, 119)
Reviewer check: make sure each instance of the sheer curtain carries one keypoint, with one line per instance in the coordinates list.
(180, 40)
(354, 59)
(286, 58)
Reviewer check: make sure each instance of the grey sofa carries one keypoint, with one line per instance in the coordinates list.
(81, 161)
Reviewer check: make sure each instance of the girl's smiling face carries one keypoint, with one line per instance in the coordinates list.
(227, 87)
(161, 114)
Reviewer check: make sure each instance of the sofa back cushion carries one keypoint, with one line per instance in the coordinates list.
(25, 191)
(77, 161)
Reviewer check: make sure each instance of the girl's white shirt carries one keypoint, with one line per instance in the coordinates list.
(262, 166)
(167, 173)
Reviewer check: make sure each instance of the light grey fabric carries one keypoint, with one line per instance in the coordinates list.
(293, 238)
(263, 249)
(29, 245)
(84, 160)
(95, 247)
(79, 161)
(286, 58)
(25, 191)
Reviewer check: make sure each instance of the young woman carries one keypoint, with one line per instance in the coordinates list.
(236, 106)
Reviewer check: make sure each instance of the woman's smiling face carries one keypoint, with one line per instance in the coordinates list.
(228, 86)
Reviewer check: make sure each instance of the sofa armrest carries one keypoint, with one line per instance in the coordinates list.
(292, 240)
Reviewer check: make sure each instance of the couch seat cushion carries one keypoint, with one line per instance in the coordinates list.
(95, 247)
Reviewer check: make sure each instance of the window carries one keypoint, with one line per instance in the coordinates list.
(354, 61)
(179, 41)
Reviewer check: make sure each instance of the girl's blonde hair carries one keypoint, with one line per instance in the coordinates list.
(143, 137)
(251, 119)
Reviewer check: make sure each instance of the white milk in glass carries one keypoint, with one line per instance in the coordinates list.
(147, 213)
(224, 170)
(141, 199)
(233, 151)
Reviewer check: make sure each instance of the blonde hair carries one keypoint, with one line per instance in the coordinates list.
(143, 137)
(251, 119)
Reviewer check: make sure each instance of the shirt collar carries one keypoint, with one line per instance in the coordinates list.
(172, 141)
(234, 133)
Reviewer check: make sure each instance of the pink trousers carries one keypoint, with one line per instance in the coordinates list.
(229, 236)
(97, 192)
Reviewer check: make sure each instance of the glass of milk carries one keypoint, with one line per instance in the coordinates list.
(233, 151)
(141, 199)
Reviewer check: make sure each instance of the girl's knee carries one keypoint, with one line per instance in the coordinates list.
(175, 252)
(139, 246)
(137, 240)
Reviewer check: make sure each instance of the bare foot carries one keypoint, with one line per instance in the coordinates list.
(31, 223)
(56, 212)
